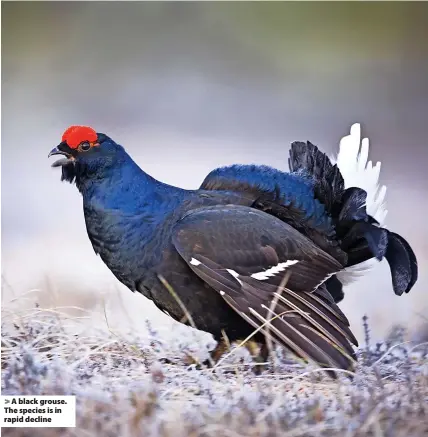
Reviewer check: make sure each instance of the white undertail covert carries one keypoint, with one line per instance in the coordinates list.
(357, 171)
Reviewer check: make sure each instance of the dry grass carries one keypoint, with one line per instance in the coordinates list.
(147, 386)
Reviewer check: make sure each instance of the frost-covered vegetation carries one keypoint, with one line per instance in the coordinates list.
(131, 386)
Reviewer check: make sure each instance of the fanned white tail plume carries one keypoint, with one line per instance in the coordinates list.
(357, 172)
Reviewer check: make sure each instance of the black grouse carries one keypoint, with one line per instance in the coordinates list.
(225, 248)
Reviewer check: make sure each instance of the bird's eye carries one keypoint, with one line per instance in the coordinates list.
(84, 147)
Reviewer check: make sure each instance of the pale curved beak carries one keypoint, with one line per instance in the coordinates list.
(56, 151)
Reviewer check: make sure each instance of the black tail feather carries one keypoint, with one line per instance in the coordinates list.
(327, 180)
(360, 235)
(364, 236)
(353, 205)
(402, 262)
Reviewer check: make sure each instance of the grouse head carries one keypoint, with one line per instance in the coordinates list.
(87, 154)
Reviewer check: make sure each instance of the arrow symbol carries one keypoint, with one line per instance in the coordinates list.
(7, 401)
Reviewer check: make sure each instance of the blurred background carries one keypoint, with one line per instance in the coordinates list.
(186, 87)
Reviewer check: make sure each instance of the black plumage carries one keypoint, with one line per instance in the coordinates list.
(225, 248)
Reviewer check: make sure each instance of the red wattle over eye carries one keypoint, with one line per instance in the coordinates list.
(75, 135)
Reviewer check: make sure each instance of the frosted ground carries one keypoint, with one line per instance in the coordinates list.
(147, 383)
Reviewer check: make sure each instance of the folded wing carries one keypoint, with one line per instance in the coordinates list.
(244, 254)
